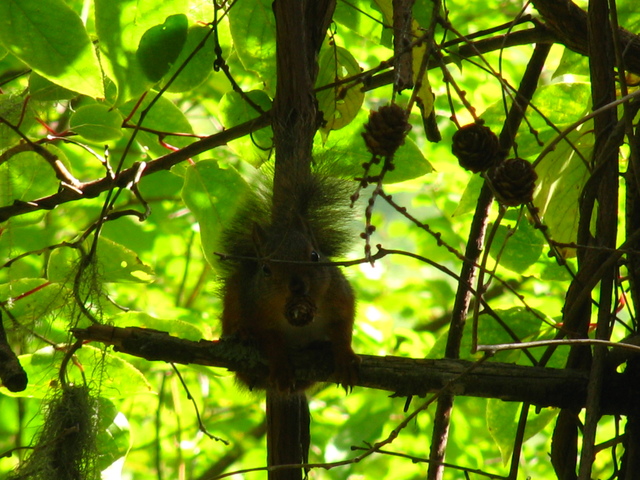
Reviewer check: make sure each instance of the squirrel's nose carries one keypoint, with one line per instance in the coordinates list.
(298, 286)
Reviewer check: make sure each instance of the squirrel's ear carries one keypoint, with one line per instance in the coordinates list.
(259, 237)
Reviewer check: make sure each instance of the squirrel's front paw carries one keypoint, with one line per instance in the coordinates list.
(347, 369)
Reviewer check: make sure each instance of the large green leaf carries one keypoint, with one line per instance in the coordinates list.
(234, 110)
(212, 194)
(165, 118)
(121, 24)
(339, 105)
(502, 422)
(172, 326)
(160, 46)
(115, 264)
(561, 178)
(348, 147)
(253, 30)
(113, 434)
(522, 249)
(49, 36)
(200, 65)
(25, 177)
(524, 324)
(97, 122)
(41, 366)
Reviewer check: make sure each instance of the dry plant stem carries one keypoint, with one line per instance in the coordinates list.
(481, 473)
(518, 441)
(632, 220)
(577, 309)
(472, 254)
(482, 287)
(601, 64)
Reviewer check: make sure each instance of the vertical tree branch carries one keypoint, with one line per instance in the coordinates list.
(300, 29)
(603, 88)
(472, 254)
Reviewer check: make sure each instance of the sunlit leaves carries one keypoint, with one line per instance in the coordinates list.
(121, 24)
(163, 119)
(254, 37)
(347, 144)
(340, 103)
(502, 421)
(235, 109)
(160, 46)
(172, 326)
(50, 38)
(97, 122)
(114, 263)
(199, 66)
(517, 249)
(124, 379)
(212, 194)
(562, 175)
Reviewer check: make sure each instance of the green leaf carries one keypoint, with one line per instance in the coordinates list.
(523, 247)
(114, 434)
(562, 175)
(120, 25)
(15, 110)
(572, 63)
(97, 122)
(253, 30)
(524, 324)
(469, 198)
(199, 67)
(119, 264)
(561, 103)
(49, 36)
(212, 194)
(172, 326)
(42, 370)
(347, 145)
(163, 117)
(115, 264)
(25, 177)
(42, 89)
(502, 422)
(31, 299)
(160, 46)
(234, 110)
(339, 105)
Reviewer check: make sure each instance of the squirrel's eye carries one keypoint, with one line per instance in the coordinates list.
(266, 270)
(315, 256)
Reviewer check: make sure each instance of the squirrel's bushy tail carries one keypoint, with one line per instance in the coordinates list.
(321, 202)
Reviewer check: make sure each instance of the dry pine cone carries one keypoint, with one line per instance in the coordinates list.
(513, 181)
(476, 147)
(385, 130)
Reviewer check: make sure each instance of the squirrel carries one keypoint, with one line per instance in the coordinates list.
(277, 299)
(274, 297)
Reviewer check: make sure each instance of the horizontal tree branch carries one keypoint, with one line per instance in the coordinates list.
(565, 24)
(543, 387)
(127, 177)
(569, 24)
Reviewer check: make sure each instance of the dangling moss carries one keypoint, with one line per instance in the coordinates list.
(65, 448)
